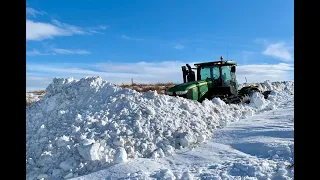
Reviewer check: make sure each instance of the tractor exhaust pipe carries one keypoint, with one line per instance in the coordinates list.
(189, 67)
(190, 73)
(184, 73)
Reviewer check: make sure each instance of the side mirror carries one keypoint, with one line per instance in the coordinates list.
(233, 69)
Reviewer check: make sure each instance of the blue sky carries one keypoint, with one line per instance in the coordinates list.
(149, 41)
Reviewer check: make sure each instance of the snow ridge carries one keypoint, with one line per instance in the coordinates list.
(81, 126)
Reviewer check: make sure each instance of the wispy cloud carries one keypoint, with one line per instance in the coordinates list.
(35, 52)
(96, 30)
(144, 72)
(69, 28)
(56, 51)
(282, 50)
(103, 27)
(37, 31)
(178, 46)
(123, 36)
(33, 12)
(278, 50)
(68, 51)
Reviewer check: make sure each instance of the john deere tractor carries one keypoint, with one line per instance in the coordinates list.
(212, 79)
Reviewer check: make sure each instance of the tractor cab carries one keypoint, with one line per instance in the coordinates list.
(220, 76)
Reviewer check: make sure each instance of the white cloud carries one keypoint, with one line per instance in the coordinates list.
(103, 27)
(37, 31)
(70, 28)
(55, 51)
(262, 72)
(279, 50)
(179, 46)
(35, 52)
(123, 36)
(67, 51)
(143, 72)
(33, 12)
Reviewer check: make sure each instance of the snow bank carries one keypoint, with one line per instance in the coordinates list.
(85, 125)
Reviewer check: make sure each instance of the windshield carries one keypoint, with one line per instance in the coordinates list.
(226, 75)
(209, 72)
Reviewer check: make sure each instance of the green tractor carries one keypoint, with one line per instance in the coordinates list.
(214, 79)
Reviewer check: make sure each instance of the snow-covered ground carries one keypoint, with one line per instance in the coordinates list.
(81, 127)
(258, 147)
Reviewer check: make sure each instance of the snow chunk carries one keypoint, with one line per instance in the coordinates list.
(56, 173)
(164, 174)
(120, 155)
(201, 138)
(257, 100)
(69, 175)
(118, 142)
(67, 164)
(63, 141)
(186, 139)
(218, 101)
(89, 152)
(187, 176)
(42, 176)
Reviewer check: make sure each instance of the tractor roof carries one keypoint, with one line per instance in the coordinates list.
(216, 63)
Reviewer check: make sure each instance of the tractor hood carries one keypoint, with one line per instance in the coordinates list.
(184, 87)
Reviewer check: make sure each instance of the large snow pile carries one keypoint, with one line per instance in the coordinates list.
(259, 147)
(85, 125)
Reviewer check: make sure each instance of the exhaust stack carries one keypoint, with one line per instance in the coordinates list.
(184, 73)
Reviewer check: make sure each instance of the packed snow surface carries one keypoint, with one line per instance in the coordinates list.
(82, 126)
(260, 147)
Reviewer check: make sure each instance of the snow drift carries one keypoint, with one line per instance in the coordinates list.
(81, 126)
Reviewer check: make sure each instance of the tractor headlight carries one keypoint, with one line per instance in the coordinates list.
(181, 92)
(169, 93)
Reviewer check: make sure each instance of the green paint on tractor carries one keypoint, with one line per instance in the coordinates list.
(212, 79)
